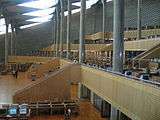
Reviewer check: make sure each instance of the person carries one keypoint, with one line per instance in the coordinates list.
(16, 74)
(67, 113)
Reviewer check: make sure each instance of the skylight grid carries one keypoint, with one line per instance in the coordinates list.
(41, 4)
(26, 26)
(41, 13)
(3, 29)
(41, 19)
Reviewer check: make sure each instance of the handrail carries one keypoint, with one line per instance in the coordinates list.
(46, 67)
(142, 55)
(127, 34)
(28, 59)
(154, 83)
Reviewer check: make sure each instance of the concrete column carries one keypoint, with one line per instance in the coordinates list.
(57, 38)
(12, 39)
(118, 44)
(92, 97)
(79, 90)
(84, 92)
(82, 32)
(15, 42)
(104, 18)
(115, 114)
(52, 23)
(69, 28)
(6, 42)
(55, 34)
(139, 21)
(62, 28)
(118, 35)
(105, 109)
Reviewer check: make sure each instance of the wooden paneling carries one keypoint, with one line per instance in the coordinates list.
(57, 85)
(64, 62)
(9, 84)
(28, 59)
(141, 45)
(137, 100)
(99, 36)
(137, 45)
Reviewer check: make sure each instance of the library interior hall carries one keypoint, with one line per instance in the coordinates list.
(79, 59)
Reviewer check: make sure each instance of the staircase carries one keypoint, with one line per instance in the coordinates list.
(154, 52)
(55, 85)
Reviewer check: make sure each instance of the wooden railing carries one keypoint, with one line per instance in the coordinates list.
(127, 34)
(56, 85)
(28, 59)
(64, 62)
(138, 100)
(99, 36)
(149, 54)
(141, 45)
(88, 47)
(44, 68)
(136, 45)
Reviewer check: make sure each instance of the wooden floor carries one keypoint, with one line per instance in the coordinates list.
(87, 112)
(9, 84)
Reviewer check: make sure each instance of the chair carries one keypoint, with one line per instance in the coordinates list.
(24, 111)
(13, 111)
